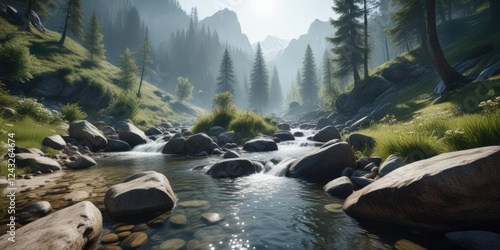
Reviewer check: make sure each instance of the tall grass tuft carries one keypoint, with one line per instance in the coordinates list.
(124, 106)
(72, 112)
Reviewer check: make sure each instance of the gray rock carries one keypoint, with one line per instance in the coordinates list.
(326, 134)
(175, 146)
(298, 134)
(82, 162)
(284, 126)
(476, 240)
(84, 131)
(215, 131)
(284, 136)
(260, 145)
(153, 131)
(360, 182)
(347, 172)
(199, 143)
(323, 122)
(362, 162)
(108, 130)
(324, 164)
(117, 146)
(75, 227)
(132, 135)
(212, 218)
(329, 143)
(390, 164)
(462, 186)
(37, 162)
(54, 141)
(340, 187)
(226, 137)
(361, 142)
(178, 220)
(145, 193)
(234, 168)
(230, 154)
(41, 208)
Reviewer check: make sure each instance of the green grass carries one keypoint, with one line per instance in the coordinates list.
(69, 62)
(72, 112)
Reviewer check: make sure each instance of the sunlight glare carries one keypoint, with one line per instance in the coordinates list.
(263, 7)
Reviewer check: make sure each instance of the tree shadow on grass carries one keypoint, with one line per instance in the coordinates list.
(47, 48)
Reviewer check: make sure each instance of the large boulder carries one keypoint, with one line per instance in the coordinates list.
(260, 145)
(284, 135)
(361, 142)
(323, 122)
(215, 131)
(132, 135)
(117, 146)
(234, 168)
(324, 164)
(390, 164)
(284, 126)
(37, 162)
(226, 137)
(340, 187)
(142, 193)
(54, 141)
(449, 192)
(84, 131)
(75, 227)
(328, 133)
(198, 143)
(476, 240)
(175, 146)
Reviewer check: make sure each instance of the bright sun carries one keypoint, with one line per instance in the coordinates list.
(263, 7)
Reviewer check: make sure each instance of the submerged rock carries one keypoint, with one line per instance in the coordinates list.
(212, 218)
(234, 168)
(324, 164)
(143, 193)
(82, 162)
(462, 186)
(75, 227)
(477, 240)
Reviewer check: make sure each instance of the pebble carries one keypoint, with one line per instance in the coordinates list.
(124, 235)
(334, 208)
(141, 227)
(158, 221)
(408, 245)
(212, 218)
(124, 228)
(135, 240)
(178, 220)
(28, 177)
(109, 238)
(194, 203)
(173, 244)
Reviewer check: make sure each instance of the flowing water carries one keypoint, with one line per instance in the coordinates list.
(262, 211)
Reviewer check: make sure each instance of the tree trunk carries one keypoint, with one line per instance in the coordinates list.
(63, 37)
(366, 40)
(27, 22)
(140, 83)
(387, 57)
(447, 73)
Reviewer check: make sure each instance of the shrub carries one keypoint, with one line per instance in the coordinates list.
(248, 124)
(15, 62)
(28, 107)
(184, 89)
(72, 112)
(124, 106)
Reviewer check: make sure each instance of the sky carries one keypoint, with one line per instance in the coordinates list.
(286, 19)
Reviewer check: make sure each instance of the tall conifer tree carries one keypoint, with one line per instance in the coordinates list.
(128, 75)
(225, 81)
(93, 39)
(259, 83)
(275, 92)
(309, 84)
(145, 60)
(73, 21)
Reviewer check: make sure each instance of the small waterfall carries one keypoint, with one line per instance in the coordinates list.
(151, 147)
(281, 168)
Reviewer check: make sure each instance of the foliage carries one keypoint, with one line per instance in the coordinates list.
(93, 39)
(74, 20)
(15, 62)
(347, 42)
(409, 23)
(293, 94)
(275, 91)
(248, 124)
(72, 112)
(491, 107)
(184, 89)
(128, 68)
(309, 86)
(145, 60)
(124, 106)
(29, 107)
(259, 83)
(39, 6)
(226, 81)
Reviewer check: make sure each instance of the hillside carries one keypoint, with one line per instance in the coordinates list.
(60, 75)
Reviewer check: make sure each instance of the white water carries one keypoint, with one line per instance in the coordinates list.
(281, 168)
(151, 147)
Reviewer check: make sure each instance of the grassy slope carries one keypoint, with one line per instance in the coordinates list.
(48, 57)
(424, 128)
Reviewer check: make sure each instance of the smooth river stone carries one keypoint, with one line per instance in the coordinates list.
(109, 238)
(76, 196)
(173, 244)
(194, 203)
(124, 228)
(178, 220)
(212, 218)
(408, 245)
(124, 235)
(135, 240)
(334, 208)
(194, 245)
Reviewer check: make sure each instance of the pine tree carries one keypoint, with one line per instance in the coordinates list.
(37, 6)
(73, 20)
(225, 81)
(275, 91)
(366, 48)
(145, 60)
(93, 39)
(128, 75)
(409, 23)
(347, 42)
(259, 83)
(329, 91)
(309, 84)
(447, 73)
